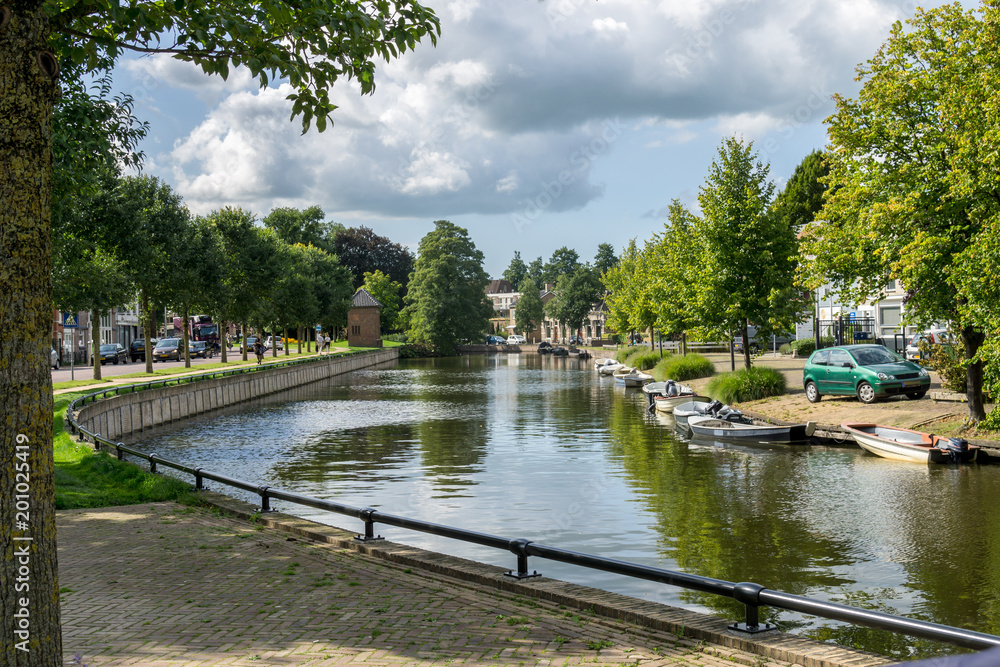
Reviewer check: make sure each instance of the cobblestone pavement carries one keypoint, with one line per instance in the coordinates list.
(161, 584)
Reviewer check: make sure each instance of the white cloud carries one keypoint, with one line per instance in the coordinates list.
(504, 103)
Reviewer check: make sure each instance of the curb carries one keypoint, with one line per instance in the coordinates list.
(654, 616)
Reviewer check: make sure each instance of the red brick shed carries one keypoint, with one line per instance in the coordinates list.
(363, 321)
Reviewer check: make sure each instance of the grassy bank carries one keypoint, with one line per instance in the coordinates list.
(87, 479)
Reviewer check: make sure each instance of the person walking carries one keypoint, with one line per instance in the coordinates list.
(322, 340)
(258, 349)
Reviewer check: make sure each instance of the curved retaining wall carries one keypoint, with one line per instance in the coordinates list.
(117, 416)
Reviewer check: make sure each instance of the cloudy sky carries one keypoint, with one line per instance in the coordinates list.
(532, 124)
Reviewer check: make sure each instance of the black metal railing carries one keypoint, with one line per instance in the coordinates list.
(751, 595)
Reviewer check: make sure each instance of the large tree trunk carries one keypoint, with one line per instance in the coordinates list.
(186, 337)
(148, 325)
(95, 343)
(223, 343)
(973, 340)
(243, 339)
(746, 345)
(274, 342)
(29, 589)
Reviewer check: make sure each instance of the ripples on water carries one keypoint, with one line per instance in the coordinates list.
(544, 448)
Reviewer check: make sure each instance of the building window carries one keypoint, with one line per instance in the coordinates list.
(890, 286)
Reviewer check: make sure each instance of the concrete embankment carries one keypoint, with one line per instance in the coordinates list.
(116, 417)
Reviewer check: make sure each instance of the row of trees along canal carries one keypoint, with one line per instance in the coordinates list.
(906, 191)
(62, 140)
(132, 237)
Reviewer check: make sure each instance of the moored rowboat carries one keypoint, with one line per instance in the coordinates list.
(903, 444)
(710, 427)
(631, 377)
(668, 403)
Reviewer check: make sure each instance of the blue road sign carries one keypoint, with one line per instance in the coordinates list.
(69, 321)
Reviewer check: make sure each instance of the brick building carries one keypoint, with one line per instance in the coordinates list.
(363, 321)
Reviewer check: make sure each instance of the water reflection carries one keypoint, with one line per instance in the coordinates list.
(544, 448)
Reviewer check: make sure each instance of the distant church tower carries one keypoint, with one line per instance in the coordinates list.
(363, 321)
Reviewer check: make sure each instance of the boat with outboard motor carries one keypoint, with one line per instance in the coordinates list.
(606, 366)
(664, 396)
(903, 444)
(714, 427)
(631, 377)
(699, 407)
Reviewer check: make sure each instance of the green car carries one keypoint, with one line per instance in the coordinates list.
(870, 372)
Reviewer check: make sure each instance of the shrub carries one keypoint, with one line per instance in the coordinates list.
(415, 350)
(622, 354)
(691, 367)
(395, 337)
(949, 362)
(748, 384)
(644, 359)
(785, 349)
(806, 346)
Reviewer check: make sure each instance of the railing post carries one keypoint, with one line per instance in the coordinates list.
(749, 594)
(369, 536)
(119, 452)
(152, 463)
(199, 481)
(97, 442)
(519, 547)
(265, 500)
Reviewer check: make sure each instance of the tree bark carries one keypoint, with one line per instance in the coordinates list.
(223, 343)
(186, 337)
(95, 343)
(746, 345)
(148, 325)
(243, 339)
(973, 340)
(29, 589)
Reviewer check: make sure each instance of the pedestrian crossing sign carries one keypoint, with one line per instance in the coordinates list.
(69, 321)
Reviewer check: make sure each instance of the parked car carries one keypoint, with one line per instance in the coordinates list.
(271, 339)
(869, 372)
(137, 348)
(168, 349)
(932, 336)
(113, 353)
(576, 340)
(516, 339)
(250, 341)
(201, 348)
(495, 340)
(54, 360)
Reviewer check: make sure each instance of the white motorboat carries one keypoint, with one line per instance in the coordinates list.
(903, 444)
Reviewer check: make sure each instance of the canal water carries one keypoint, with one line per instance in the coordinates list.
(544, 448)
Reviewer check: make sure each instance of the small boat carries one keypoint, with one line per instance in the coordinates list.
(631, 377)
(695, 407)
(601, 363)
(609, 369)
(903, 444)
(668, 403)
(578, 354)
(712, 427)
(560, 352)
(544, 347)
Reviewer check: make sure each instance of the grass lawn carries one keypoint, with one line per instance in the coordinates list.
(87, 479)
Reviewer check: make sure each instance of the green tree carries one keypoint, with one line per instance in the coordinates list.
(802, 198)
(447, 302)
(386, 291)
(675, 256)
(605, 258)
(517, 271)
(750, 256)
(312, 46)
(563, 261)
(536, 271)
(530, 311)
(307, 227)
(913, 163)
(628, 295)
(575, 297)
(195, 271)
(294, 297)
(249, 273)
(361, 250)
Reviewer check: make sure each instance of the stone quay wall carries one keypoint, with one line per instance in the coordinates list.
(117, 417)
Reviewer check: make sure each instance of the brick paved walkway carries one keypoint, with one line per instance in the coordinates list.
(160, 584)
